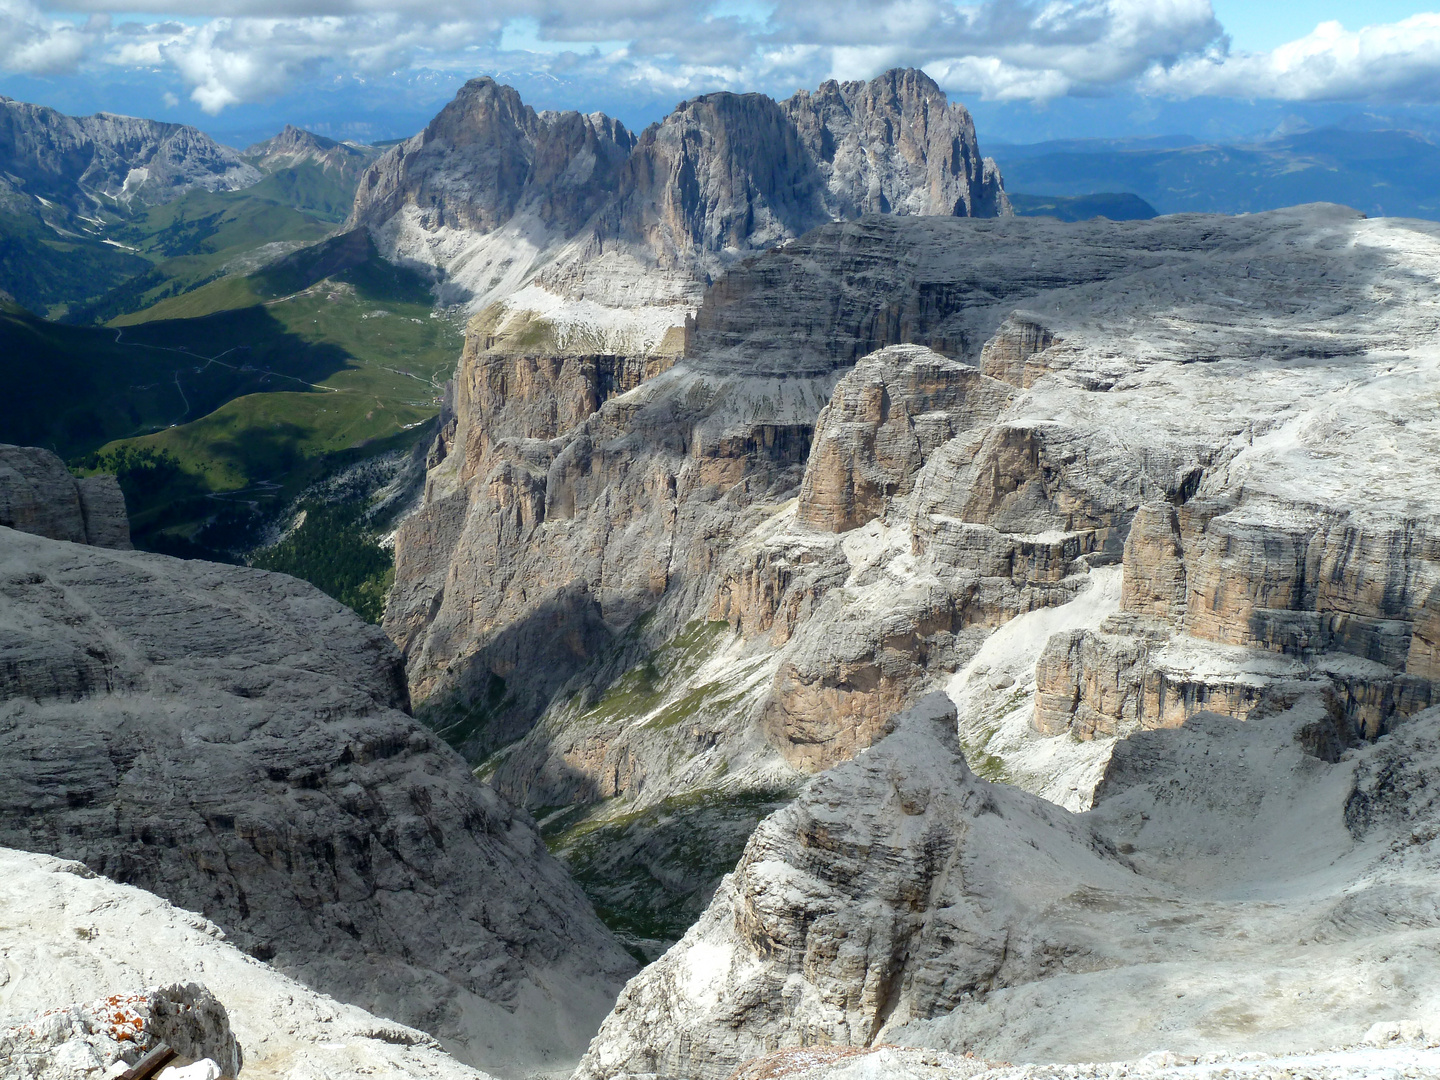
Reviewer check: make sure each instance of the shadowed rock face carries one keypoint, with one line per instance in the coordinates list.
(238, 742)
(38, 495)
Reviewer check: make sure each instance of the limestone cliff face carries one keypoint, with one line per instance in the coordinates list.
(488, 156)
(725, 570)
(1297, 602)
(894, 145)
(238, 742)
(38, 495)
(887, 416)
(496, 197)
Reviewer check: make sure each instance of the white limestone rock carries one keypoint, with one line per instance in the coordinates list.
(1229, 893)
(74, 936)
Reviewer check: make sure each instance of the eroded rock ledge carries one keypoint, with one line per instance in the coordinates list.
(237, 742)
(1230, 892)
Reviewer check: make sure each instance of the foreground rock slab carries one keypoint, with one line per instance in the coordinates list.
(902, 1063)
(235, 741)
(120, 1030)
(74, 936)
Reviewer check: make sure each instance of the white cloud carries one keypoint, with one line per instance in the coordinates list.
(231, 51)
(34, 44)
(228, 61)
(1392, 62)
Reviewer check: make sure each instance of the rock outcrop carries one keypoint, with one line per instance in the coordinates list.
(146, 971)
(902, 899)
(122, 1028)
(1416, 1056)
(1091, 430)
(609, 238)
(38, 495)
(237, 742)
(105, 161)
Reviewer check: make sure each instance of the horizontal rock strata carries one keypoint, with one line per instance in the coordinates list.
(890, 439)
(237, 742)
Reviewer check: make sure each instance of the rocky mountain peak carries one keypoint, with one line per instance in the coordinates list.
(896, 144)
(295, 146)
(111, 161)
(587, 211)
(291, 140)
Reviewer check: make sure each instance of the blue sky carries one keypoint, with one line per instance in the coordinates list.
(1264, 24)
(1029, 69)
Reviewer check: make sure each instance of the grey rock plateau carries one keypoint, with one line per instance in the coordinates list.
(235, 741)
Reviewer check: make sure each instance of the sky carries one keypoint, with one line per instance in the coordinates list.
(1028, 69)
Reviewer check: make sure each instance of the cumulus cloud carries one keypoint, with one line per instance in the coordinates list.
(228, 61)
(1393, 62)
(231, 51)
(33, 43)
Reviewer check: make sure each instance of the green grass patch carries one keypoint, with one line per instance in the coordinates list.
(650, 872)
(55, 274)
(458, 721)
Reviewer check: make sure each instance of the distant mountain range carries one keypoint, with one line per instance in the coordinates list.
(102, 215)
(494, 195)
(1391, 173)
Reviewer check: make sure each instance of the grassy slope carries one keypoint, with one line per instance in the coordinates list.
(219, 390)
(51, 273)
(351, 359)
(69, 271)
(199, 237)
(251, 384)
